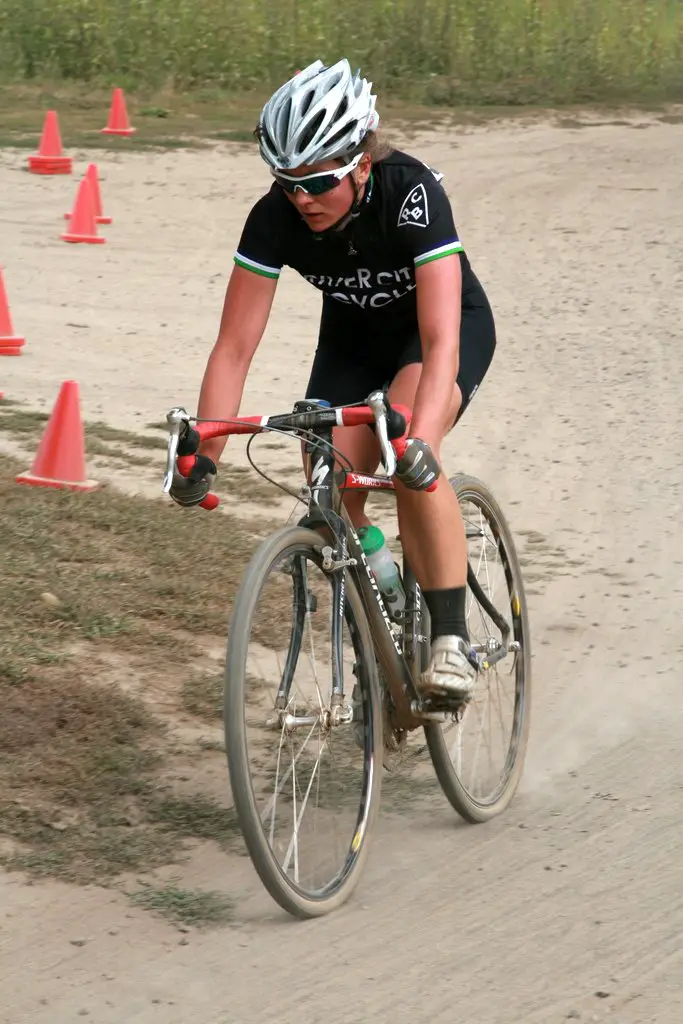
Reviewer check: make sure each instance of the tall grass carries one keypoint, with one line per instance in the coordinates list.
(438, 51)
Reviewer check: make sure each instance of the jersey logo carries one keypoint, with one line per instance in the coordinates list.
(437, 174)
(415, 210)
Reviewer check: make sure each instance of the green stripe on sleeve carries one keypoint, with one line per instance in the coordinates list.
(437, 254)
(256, 268)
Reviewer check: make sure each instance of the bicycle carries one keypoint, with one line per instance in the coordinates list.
(346, 740)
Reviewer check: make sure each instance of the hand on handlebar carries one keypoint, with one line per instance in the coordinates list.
(410, 459)
(192, 489)
(417, 467)
(189, 477)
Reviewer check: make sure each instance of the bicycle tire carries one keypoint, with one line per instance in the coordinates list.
(282, 889)
(469, 809)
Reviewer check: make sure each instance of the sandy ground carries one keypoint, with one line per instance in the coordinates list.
(570, 906)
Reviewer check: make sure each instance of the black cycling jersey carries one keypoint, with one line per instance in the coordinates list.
(405, 220)
(369, 327)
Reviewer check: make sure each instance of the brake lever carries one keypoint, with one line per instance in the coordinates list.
(376, 403)
(176, 419)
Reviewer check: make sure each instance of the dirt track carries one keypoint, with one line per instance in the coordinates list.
(578, 890)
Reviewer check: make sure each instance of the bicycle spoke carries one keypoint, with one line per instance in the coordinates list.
(309, 780)
(478, 757)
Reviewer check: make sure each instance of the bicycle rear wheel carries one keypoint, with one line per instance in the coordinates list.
(478, 785)
(301, 783)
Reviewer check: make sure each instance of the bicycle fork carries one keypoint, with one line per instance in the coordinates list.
(305, 605)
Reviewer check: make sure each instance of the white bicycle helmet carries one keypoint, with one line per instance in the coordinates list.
(320, 114)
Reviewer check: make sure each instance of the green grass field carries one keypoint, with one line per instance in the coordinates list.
(440, 52)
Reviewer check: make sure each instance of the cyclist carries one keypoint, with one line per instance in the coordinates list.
(372, 228)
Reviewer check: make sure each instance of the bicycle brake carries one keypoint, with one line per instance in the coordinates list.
(331, 564)
(176, 419)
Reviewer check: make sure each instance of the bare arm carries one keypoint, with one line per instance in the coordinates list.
(439, 289)
(248, 301)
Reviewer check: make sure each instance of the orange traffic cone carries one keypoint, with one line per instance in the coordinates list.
(118, 123)
(10, 343)
(82, 226)
(50, 159)
(93, 177)
(60, 459)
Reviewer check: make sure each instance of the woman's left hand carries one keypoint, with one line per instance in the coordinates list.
(418, 467)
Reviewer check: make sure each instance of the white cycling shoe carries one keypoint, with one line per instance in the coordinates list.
(450, 672)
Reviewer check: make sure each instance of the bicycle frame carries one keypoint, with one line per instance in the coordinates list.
(410, 710)
(324, 500)
(346, 551)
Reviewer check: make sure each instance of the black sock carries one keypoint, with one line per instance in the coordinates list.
(447, 612)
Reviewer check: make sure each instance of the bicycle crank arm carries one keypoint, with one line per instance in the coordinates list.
(430, 716)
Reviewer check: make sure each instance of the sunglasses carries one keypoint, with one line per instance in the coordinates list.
(315, 184)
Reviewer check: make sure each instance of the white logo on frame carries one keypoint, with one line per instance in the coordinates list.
(415, 210)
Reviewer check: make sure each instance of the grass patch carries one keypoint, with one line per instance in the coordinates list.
(125, 437)
(78, 742)
(198, 907)
(192, 120)
(215, 746)
(98, 590)
(16, 419)
(26, 422)
(85, 853)
(76, 762)
(114, 444)
(196, 817)
(404, 789)
(202, 695)
(114, 567)
(100, 440)
(102, 596)
(435, 51)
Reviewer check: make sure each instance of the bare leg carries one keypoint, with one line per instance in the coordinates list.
(433, 540)
(435, 545)
(431, 526)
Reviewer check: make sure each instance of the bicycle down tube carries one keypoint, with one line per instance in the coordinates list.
(350, 555)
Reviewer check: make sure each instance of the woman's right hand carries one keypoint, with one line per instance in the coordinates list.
(191, 490)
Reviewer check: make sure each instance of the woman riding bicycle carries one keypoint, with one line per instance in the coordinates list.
(372, 228)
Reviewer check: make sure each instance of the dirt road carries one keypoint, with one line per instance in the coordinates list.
(571, 905)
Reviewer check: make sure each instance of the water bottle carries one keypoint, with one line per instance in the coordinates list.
(385, 570)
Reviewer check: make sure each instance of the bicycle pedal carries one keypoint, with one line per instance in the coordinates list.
(452, 707)
(438, 707)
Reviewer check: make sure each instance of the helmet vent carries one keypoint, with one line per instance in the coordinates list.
(320, 114)
(306, 104)
(310, 133)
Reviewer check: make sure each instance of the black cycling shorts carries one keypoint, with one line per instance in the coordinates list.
(358, 355)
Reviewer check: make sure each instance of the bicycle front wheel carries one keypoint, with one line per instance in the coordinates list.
(304, 765)
(479, 758)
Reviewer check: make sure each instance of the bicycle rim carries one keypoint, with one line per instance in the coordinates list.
(299, 788)
(479, 759)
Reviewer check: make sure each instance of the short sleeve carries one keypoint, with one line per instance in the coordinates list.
(259, 249)
(424, 220)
